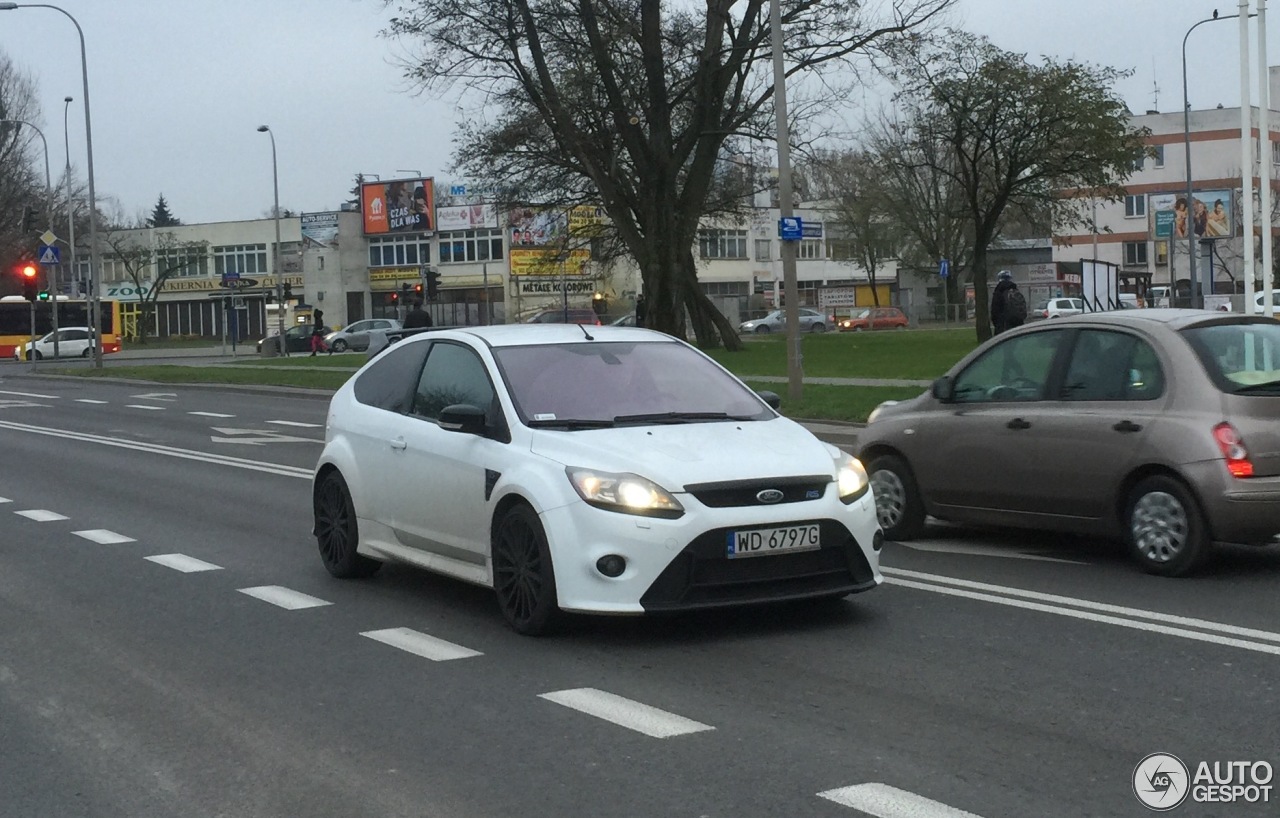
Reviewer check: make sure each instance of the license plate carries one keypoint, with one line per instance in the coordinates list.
(761, 542)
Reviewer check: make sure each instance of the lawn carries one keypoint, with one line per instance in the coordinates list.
(344, 360)
(218, 374)
(847, 403)
(913, 355)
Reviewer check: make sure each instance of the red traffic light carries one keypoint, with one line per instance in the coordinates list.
(29, 271)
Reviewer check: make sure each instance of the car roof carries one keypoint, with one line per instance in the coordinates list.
(515, 335)
(1174, 319)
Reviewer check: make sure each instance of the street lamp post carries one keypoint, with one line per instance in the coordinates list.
(71, 211)
(275, 185)
(94, 283)
(50, 281)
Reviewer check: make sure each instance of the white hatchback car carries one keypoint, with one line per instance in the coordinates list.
(73, 342)
(592, 469)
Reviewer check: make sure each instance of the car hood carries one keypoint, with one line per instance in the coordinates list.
(676, 455)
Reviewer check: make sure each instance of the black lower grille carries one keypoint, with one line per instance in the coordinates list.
(746, 492)
(703, 577)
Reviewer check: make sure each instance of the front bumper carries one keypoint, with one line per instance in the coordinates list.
(680, 564)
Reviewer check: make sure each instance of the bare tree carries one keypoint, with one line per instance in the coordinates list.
(150, 258)
(631, 102)
(22, 181)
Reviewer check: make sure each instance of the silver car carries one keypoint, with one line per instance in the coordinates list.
(356, 335)
(776, 321)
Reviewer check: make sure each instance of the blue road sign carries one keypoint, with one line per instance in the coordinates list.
(790, 228)
(944, 268)
(49, 254)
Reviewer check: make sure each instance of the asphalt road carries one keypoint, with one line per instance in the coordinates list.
(994, 674)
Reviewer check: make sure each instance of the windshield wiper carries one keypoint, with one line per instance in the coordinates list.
(1265, 386)
(679, 417)
(570, 423)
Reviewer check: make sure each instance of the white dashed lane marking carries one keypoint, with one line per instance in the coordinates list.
(5, 500)
(296, 423)
(103, 537)
(89, 400)
(884, 801)
(283, 597)
(625, 712)
(183, 563)
(40, 515)
(144, 406)
(211, 414)
(30, 395)
(421, 644)
(157, 396)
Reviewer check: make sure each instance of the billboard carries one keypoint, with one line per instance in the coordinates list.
(319, 229)
(401, 206)
(1211, 215)
(542, 226)
(547, 261)
(466, 217)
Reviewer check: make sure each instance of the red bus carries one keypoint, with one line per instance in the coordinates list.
(15, 321)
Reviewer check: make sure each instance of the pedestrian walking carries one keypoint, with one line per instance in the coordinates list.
(417, 317)
(317, 334)
(1008, 304)
(641, 310)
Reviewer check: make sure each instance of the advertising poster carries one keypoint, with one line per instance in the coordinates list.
(466, 217)
(319, 229)
(401, 206)
(1211, 215)
(542, 262)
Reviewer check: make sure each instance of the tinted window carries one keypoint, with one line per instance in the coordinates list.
(1013, 370)
(76, 335)
(453, 374)
(1112, 366)
(389, 382)
(1240, 357)
(601, 381)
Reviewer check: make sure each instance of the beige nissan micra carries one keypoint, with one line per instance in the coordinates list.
(1160, 427)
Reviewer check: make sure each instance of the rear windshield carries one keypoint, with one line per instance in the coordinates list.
(1241, 358)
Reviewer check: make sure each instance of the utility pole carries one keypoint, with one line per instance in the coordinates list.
(795, 366)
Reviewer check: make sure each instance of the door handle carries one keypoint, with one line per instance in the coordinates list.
(1127, 426)
(398, 444)
(1018, 423)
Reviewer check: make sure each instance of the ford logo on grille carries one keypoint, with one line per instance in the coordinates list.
(769, 496)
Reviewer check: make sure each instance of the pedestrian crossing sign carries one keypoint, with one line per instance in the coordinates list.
(49, 254)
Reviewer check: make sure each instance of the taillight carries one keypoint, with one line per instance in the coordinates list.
(1232, 446)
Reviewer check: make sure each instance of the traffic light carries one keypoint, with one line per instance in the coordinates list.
(433, 284)
(30, 282)
(288, 292)
(417, 290)
(43, 295)
(404, 290)
(28, 219)
(395, 298)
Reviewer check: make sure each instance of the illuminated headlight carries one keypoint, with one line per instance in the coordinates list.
(624, 493)
(871, 418)
(851, 478)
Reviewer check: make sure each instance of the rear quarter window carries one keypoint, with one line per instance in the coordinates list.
(390, 382)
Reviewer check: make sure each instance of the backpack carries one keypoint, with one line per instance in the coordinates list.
(1015, 307)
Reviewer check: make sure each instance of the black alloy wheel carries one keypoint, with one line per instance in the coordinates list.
(523, 577)
(336, 533)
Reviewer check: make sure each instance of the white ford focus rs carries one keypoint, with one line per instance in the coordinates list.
(591, 469)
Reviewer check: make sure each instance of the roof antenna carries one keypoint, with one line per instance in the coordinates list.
(584, 332)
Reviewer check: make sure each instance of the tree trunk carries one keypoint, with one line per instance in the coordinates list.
(981, 298)
(710, 327)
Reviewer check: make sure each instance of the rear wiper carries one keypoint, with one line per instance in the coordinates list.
(679, 417)
(1265, 386)
(570, 423)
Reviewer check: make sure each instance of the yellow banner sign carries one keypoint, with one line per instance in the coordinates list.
(544, 262)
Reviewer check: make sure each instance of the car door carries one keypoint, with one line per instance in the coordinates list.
(358, 334)
(973, 453)
(73, 343)
(1086, 439)
(442, 503)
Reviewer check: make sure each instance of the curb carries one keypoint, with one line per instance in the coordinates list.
(243, 388)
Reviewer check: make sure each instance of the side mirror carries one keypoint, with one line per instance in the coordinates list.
(463, 417)
(772, 399)
(943, 388)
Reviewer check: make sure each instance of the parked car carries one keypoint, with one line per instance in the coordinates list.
(1154, 426)
(1058, 308)
(559, 315)
(296, 338)
(356, 335)
(73, 342)
(874, 318)
(776, 321)
(621, 472)
(628, 320)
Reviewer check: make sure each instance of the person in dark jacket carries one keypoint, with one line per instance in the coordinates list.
(1000, 316)
(317, 333)
(642, 311)
(417, 317)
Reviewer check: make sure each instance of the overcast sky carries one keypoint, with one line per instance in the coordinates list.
(178, 88)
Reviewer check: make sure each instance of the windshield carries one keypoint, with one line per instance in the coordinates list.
(1242, 358)
(863, 314)
(605, 384)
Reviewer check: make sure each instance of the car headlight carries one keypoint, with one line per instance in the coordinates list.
(851, 478)
(624, 493)
(871, 418)
(748, 325)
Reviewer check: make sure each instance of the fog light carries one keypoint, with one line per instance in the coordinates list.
(877, 541)
(611, 565)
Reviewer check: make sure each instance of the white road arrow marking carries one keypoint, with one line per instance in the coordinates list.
(29, 394)
(981, 551)
(157, 396)
(296, 423)
(18, 404)
(263, 436)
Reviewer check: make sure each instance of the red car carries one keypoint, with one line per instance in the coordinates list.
(875, 318)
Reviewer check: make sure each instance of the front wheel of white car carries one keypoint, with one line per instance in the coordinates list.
(336, 532)
(523, 577)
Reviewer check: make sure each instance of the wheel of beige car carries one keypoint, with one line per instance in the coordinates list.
(1164, 527)
(899, 507)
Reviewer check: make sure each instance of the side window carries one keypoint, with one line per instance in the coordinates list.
(382, 325)
(453, 374)
(1112, 366)
(388, 383)
(1013, 370)
(76, 335)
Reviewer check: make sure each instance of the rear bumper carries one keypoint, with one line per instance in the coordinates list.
(1243, 511)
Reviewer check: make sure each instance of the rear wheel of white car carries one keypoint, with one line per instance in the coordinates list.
(38, 355)
(336, 532)
(899, 508)
(523, 577)
(1164, 528)
(87, 353)
(339, 345)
